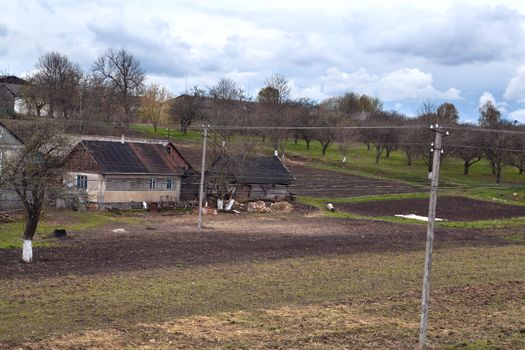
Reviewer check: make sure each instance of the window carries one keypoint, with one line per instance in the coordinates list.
(168, 149)
(82, 182)
(152, 183)
(169, 184)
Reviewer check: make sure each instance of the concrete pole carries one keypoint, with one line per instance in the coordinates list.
(430, 236)
(203, 169)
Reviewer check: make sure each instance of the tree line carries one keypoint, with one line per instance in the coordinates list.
(114, 90)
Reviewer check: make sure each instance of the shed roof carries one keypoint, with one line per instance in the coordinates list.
(131, 157)
(253, 169)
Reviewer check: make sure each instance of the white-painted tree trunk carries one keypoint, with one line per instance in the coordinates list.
(344, 159)
(27, 251)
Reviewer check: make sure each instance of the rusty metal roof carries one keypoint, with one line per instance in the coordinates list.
(130, 157)
(252, 169)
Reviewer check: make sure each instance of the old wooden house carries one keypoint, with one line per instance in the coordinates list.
(249, 178)
(119, 174)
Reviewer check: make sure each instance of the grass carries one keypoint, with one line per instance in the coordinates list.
(366, 299)
(11, 233)
(479, 183)
(167, 132)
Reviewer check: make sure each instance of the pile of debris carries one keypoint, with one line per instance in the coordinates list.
(261, 207)
(5, 217)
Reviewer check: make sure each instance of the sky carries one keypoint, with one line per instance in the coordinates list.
(404, 52)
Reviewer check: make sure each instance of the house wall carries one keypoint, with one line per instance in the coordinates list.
(135, 188)
(8, 145)
(95, 186)
(120, 190)
(269, 192)
(7, 101)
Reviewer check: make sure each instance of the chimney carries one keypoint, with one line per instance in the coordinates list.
(122, 138)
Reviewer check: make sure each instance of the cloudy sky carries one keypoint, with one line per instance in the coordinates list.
(404, 52)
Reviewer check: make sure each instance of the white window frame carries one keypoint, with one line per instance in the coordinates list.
(152, 183)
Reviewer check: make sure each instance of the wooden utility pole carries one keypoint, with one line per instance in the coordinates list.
(436, 150)
(203, 170)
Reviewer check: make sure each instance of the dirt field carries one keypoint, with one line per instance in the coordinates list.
(325, 183)
(167, 241)
(262, 282)
(448, 207)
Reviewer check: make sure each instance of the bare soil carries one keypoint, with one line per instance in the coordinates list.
(160, 241)
(326, 183)
(448, 207)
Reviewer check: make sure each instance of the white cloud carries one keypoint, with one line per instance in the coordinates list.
(518, 115)
(488, 97)
(462, 33)
(399, 85)
(516, 89)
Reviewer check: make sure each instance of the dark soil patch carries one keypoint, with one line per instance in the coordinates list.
(448, 207)
(160, 241)
(325, 183)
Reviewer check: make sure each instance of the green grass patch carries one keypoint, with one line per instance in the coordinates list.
(484, 224)
(11, 233)
(174, 134)
(360, 161)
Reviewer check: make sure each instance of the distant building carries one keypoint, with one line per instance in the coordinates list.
(118, 174)
(9, 143)
(249, 178)
(10, 91)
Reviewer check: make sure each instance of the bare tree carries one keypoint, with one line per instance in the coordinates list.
(495, 144)
(227, 106)
(305, 112)
(466, 145)
(56, 81)
(188, 108)
(154, 104)
(35, 173)
(275, 108)
(357, 107)
(447, 114)
(98, 100)
(327, 117)
(517, 156)
(33, 99)
(382, 137)
(121, 72)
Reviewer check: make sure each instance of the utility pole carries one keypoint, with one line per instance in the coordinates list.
(434, 175)
(203, 169)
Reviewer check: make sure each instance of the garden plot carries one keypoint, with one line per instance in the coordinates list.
(314, 182)
(448, 208)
